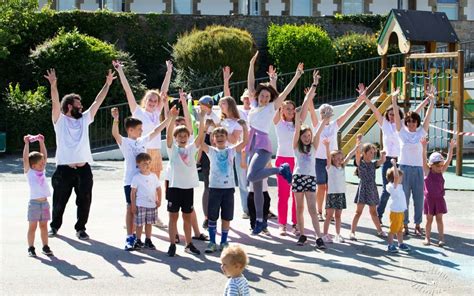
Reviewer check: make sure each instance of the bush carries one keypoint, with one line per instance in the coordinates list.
(353, 47)
(290, 44)
(81, 64)
(27, 112)
(200, 55)
(373, 21)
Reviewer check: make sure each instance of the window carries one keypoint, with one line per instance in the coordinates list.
(352, 6)
(254, 7)
(301, 8)
(66, 4)
(113, 5)
(450, 7)
(182, 7)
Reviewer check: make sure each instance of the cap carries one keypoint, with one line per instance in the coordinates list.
(436, 157)
(245, 94)
(206, 100)
(326, 111)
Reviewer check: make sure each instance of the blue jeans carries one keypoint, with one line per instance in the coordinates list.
(242, 178)
(385, 195)
(413, 184)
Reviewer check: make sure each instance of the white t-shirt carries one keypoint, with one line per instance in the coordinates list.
(410, 147)
(264, 185)
(244, 114)
(222, 167)
(146, 186)
(397, 195)
(305, 163)
(211, 116)
(231, 125)
(391, 142)
(130, 149)
(39, 187)
(330, 132)
(261, 118)
(285, 131)
(336, 180)
(182, 163)
(149, 122)
(166, 171)
(72, 139)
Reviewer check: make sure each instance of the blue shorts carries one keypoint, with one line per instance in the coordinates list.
(221, 199)
(38, 211)
(321, 172)
(127, 189)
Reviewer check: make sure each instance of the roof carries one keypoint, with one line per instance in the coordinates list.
(416, 27)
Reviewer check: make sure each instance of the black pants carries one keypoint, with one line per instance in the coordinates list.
(253, 212)
(64, 180)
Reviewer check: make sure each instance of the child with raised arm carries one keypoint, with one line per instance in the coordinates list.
(367, 193)
(397, 208)
(304, 176)
(131, 146)
(183, 178)
(145, 199)
(336, 197)
(233, 263)
(34, 164)
(434, 203)
(221, 182)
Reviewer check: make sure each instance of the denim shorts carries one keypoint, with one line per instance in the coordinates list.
(321, 172)
(38, 211)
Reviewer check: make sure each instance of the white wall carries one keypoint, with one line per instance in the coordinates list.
(423, 5)
(275, 7)
(327, 7)
(382, 6)
(144, 6)
(215, 7)
(469, 10)
(90, 5)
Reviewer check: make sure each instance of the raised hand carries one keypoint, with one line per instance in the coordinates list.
(300, 69)
(110, 78)
(51, 76)
(117, 65)
(361, 90)
(306, 90)
(227, 73)
(40, 138)
(272, 74)
(169, 65)
(254, 58)
(394, 162)
(326, 142)
(396, 92)
(316, 77)
(26, 139)
(174, 111)
(452, 144)
(359, 138)
(424, 142)
(430, 92)
(115, 113)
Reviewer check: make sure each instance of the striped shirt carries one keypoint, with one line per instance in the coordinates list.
(237, 286)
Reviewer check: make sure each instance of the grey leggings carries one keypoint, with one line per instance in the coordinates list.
(257, 171)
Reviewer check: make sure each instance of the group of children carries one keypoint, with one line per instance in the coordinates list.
(309, 164)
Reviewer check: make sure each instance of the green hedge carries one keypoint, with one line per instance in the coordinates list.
(373, 21)
(353, 47)
(200, 56)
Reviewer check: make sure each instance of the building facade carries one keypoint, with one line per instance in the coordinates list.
(455, 9)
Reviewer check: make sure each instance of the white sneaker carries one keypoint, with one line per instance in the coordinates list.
(339, 239)
(352, 236)
(160, 224)
(327, 239)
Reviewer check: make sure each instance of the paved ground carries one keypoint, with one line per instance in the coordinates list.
(277, 265)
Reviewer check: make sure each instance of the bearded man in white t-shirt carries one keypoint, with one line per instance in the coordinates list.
(73, 153)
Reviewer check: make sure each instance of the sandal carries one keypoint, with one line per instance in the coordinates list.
(201, 237)
(382, 234)
(426, 242)
(418, 231)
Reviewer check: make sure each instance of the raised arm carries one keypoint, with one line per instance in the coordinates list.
(290, 86)
(166, 82)
(396, 174)
(199, 140)
(351, 153)
(396, 112)
(272, 76)
(187, 115)
(164, 102)
(313, 115)
(26, 153)
(342, 118)
(358, 150)
(424, 156)
(56, 105)
(157, 130)
(326, 143)
(452, 145)
(99, 99)
(309, 95)
(374, 109)
(296, 136)
(430, 91)
(277, 116)
(132, 103)
(383, 157)
(245, 136)
(115, 126)
(227, 74)
(169, 131)
(42, 146)
(251, 77)
(317, 135)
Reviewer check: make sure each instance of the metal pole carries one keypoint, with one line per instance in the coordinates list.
(460, 113)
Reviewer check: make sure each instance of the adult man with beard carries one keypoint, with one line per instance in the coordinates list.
(73, 153)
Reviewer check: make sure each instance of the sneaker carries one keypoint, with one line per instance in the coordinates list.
(404, 247)
(392, 249)
(282, 230)
(47, 251)
(223, 246)
(172, 250)
(211, 248)
(31, 252)
(320, 217)
(382, 234)
(191, 249)
(271, 215)
(353, 237)
(138, 244)
(149, 245)
(295, 230)
(265, 231)
(205, 224)
(285, 172)
(82, 235)
(301, 240)
(160, 224)
(245, 216)
(52, 232)
(320, 244)
(129, 243)
(339, 239)
(441, 244)
(327, 239)
(259, 226)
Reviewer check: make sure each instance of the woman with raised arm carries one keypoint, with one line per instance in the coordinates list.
(411, 162)
(259, 148)
(149, 113)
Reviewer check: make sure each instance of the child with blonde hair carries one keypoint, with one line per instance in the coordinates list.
(434, 203)
(233, 262)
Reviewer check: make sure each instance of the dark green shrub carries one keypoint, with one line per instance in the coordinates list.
(27, 112)
(290, 44)
(200, 55)
(373, 21)
(81, 64)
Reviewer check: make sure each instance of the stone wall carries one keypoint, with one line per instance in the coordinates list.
(464, 29)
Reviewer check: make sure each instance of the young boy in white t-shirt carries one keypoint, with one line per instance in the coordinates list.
(131, 146)
(145, 199)
(221, 182)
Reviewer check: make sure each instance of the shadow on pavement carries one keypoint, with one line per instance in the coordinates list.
(65, 268)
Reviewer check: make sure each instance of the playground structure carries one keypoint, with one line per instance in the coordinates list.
(444, 70)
